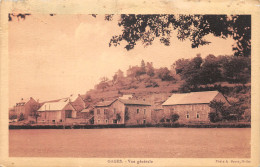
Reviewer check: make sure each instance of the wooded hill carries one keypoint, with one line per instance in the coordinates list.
(230, 75)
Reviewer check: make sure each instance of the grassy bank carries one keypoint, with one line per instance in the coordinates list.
(210, 125)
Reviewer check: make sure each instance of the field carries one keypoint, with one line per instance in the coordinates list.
(131, 142)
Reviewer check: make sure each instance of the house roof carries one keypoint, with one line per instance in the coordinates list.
(57, 100)
(134, 102)
(53, 106)
(104, 103)
(124, 101)
(191, 98)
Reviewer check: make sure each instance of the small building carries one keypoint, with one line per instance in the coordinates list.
(25, 107)
(128, 96)
(86, 113)
(122, 111)
(53, 112)
(78, 102)
(193, 106)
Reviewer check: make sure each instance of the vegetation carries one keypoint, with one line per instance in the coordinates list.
(35, 114)
(21, 117)
(146, 28)
(126, 114)
(224, 112)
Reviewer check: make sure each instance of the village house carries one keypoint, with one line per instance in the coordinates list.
(25, 107)
(193, 106)
(122, 111)
(78, 102)
(87, 114)
(60, 111)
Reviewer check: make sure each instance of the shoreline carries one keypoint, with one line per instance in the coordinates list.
(176, 125)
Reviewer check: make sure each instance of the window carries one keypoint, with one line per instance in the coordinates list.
(115, 121)
(188, 116)
(137, 121)
(144, 111)
(137, 111)
(106, 121)
(114, 110)
(105, 111)
(53, 121)
(98, 111)
(98, 121)
(68, 113)
(198, 116)
(144, 121)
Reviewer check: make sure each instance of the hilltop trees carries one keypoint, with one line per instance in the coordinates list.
(212, 69)
(103, 83)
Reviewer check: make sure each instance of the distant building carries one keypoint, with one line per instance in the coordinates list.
(53, 112)
(86, 113)
(122, 111)
(129, 96)
(193, 106)
(78, 102)
(25, 107)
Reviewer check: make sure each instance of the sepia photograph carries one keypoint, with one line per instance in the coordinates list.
(130, 88)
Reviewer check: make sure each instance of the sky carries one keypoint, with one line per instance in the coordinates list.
(52, 57)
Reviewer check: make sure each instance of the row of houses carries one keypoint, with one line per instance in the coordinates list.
(191, 107)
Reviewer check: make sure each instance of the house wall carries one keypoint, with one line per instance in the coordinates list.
(138, 118)
(19, 109)
(189, 109)
(58, 116)
(25, 109)
(108, 116)
(49, 116)
(69, 107)
(157, 115)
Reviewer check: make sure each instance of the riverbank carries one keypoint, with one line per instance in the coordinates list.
(209, 125)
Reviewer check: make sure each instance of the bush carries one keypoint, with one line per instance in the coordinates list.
(214, 117)
(21, 117)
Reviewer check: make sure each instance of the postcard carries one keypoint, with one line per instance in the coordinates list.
(136, 83)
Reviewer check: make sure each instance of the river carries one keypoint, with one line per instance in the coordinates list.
(131, 142)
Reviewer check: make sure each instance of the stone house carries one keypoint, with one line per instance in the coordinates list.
(25, 107)
(77, 101)
(54, 112)
(193, 106)
(122, 111)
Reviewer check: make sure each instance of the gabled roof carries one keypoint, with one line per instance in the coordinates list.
(57, 100)
(104, 103)
(191, 98)
(134, 102)
(124, 101)
(53, 106)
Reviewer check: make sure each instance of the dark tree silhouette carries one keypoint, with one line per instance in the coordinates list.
(146, 28)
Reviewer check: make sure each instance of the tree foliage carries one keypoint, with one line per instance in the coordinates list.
(164, 74)
(146, 28)
(21, 117)
(35, 114)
